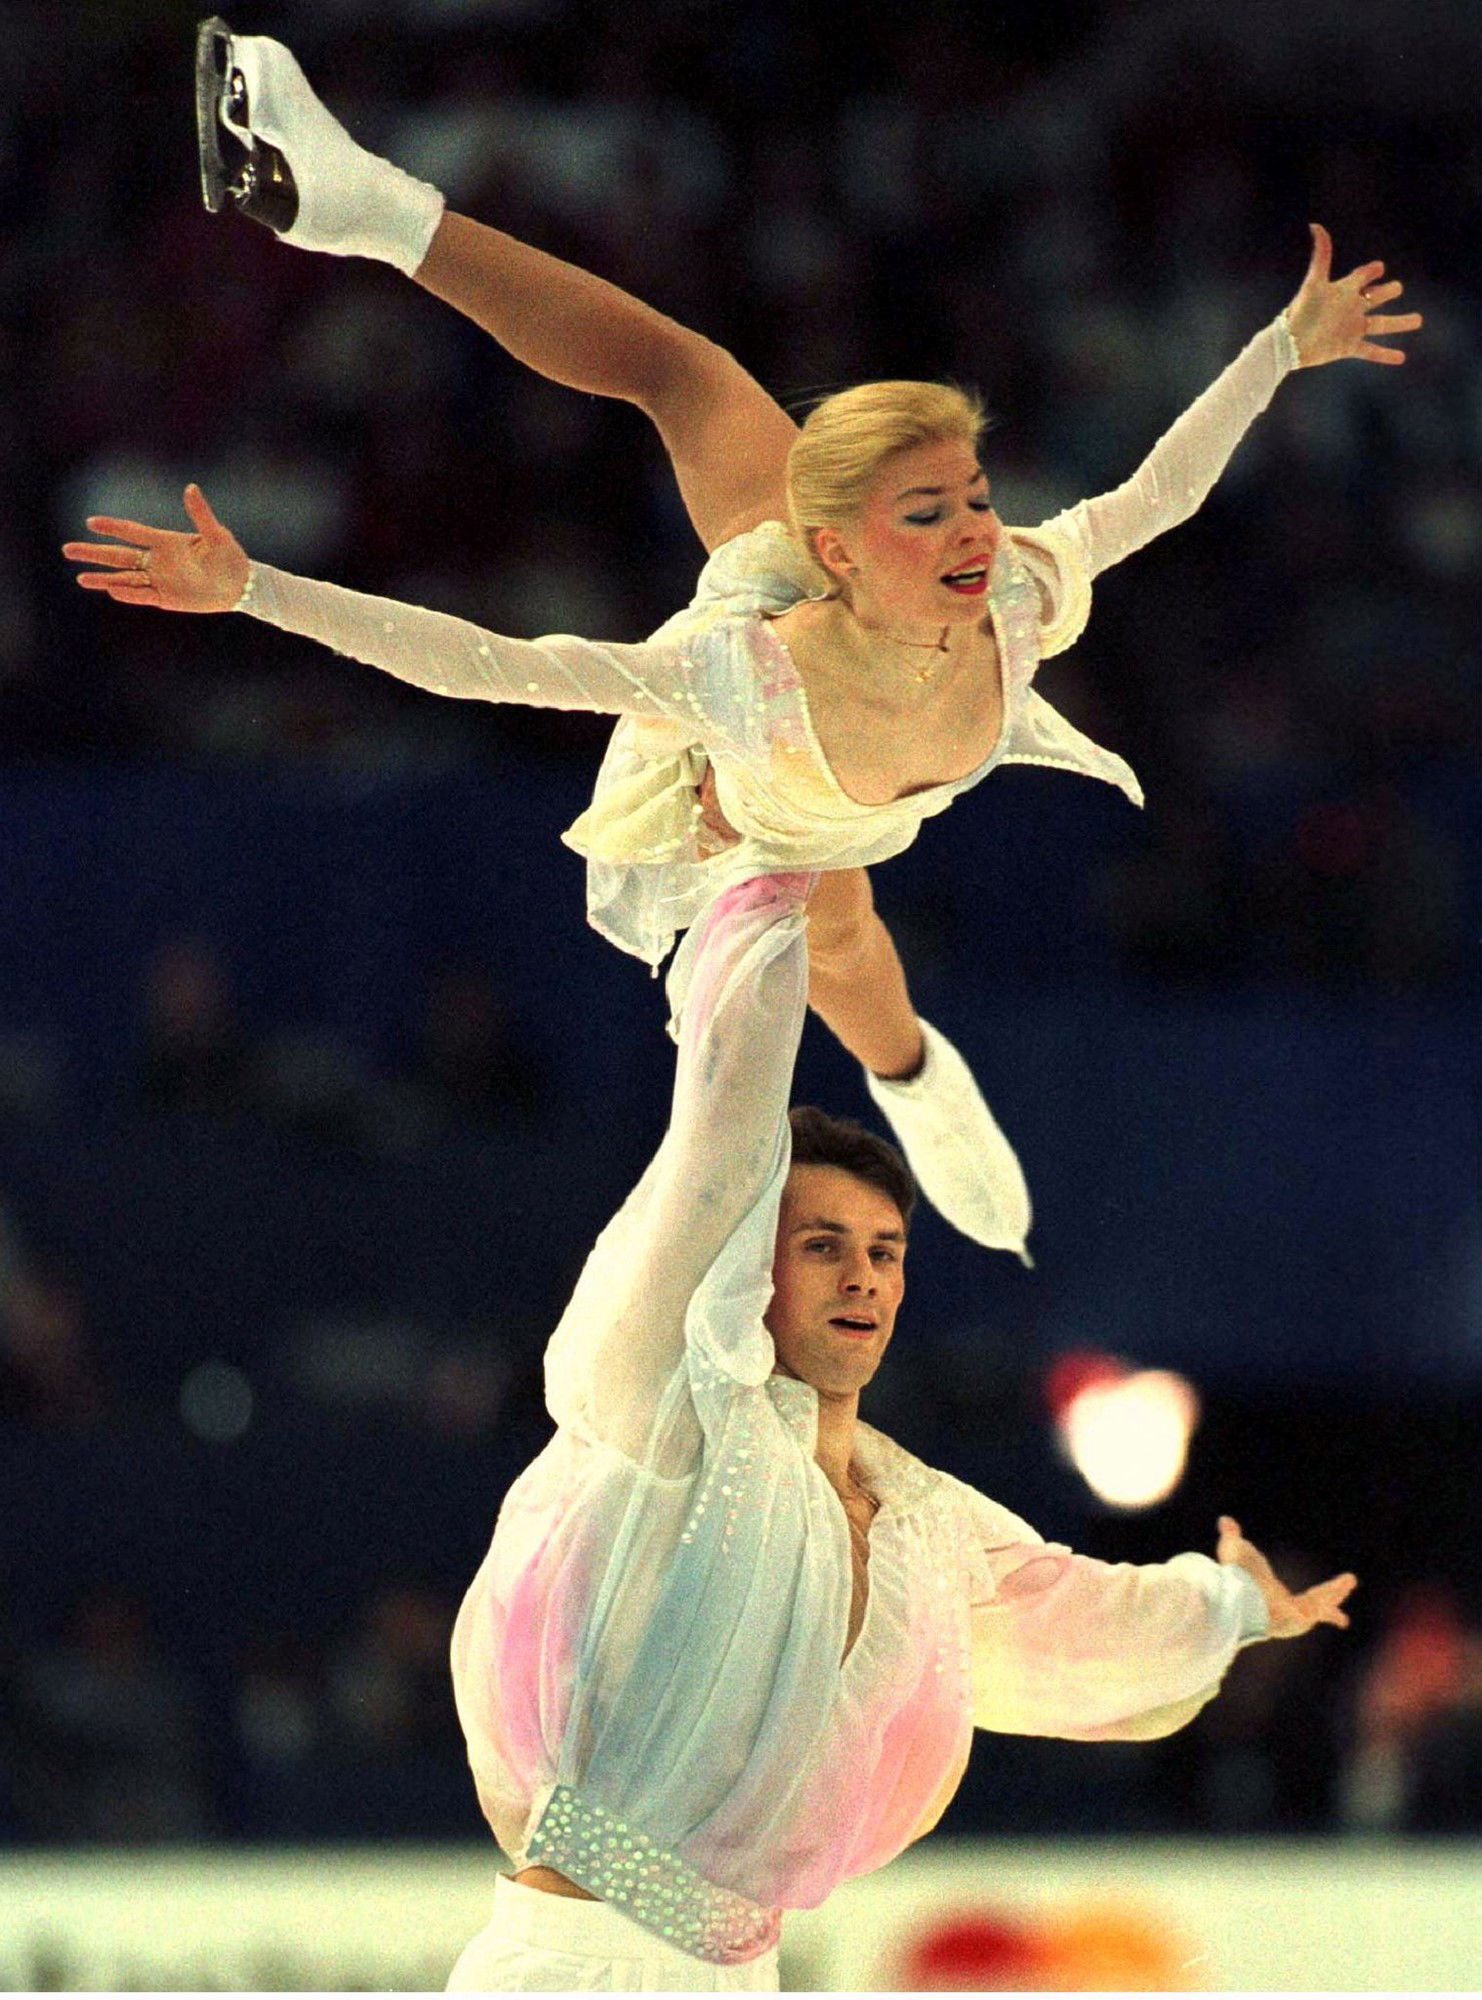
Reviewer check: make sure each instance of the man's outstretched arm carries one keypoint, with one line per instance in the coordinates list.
(1068, 1646)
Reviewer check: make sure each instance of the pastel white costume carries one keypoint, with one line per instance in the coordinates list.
(717, 682)
(650, 1665)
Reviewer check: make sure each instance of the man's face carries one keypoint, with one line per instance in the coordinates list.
(837, 1279)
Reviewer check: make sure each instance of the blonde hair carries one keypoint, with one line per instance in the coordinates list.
(847, 438)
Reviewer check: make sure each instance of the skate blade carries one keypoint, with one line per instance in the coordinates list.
(236, 171)
(213, 58)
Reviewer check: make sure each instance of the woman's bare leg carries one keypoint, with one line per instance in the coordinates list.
(728, 440)
(856, 983)
(964, 1165)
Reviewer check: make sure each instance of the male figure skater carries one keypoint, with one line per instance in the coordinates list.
(729, 1643)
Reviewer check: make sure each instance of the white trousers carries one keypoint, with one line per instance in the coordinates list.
(539, 1943)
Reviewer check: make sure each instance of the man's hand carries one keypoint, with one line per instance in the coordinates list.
(1290, 1615)
(716, 832)
(206, 571)
(1334, 319)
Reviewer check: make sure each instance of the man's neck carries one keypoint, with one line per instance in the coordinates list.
(838, 1419)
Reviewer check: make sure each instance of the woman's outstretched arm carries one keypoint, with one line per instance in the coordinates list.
(209, 571)
(1328, 320)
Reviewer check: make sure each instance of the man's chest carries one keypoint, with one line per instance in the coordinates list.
(910, 1590)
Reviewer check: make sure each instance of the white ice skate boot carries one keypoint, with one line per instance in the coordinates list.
(968, 1171)
(270, 149)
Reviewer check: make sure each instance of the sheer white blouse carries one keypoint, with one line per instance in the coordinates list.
(717, 682)
(650, 1665)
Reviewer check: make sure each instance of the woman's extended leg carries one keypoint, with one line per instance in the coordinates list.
(966, 1167)
(726, 437)
(299, 173)
(856, 983)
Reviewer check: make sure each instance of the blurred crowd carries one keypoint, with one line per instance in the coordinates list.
(105, 1739)
(463, 1068)
(1084, 208)
(463, 1059)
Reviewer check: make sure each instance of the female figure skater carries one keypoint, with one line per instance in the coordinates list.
(863, 640)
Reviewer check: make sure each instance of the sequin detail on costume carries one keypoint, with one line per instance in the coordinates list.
(617, 1861)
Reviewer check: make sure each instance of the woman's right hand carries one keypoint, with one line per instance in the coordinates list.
(206, 571)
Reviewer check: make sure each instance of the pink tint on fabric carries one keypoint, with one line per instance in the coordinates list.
(1039, 1573)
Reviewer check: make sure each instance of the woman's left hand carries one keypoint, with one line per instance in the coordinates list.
(1335, 319)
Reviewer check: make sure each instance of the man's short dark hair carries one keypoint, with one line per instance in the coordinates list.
(821, 1140)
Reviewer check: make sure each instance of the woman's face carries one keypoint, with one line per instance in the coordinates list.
(917, 555)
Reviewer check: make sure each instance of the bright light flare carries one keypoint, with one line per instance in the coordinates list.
(1127, 1431)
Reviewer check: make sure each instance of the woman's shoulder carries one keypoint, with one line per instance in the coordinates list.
(754, 575)
(766, 563)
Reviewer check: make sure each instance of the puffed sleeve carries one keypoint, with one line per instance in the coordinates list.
(451, 656)
(1177, 475)
(1064, 1645)
(678, 1283)
(1055, 558)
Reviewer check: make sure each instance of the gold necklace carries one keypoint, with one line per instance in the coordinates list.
(862, 1491)
(937, 645)
(923, 674)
